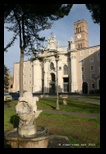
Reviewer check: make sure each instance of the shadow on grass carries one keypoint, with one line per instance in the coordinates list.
(14, 120)
(48, 105)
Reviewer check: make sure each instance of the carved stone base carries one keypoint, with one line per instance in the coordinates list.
(13, 140)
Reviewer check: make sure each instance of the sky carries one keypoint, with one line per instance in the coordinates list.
(62, 28)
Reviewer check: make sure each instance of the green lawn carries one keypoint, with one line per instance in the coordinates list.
(73, 105)
(79, 130)
(93, 97)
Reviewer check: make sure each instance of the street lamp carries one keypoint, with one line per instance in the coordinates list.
(57, 100)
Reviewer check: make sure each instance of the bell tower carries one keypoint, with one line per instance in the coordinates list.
(81, 34)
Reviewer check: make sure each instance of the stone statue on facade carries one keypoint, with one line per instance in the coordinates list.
(52, 42)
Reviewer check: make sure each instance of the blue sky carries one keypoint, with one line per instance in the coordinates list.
(63, 29)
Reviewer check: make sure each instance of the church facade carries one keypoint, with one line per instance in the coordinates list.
(74, 68)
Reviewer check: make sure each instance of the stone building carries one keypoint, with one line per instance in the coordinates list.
(76, 66)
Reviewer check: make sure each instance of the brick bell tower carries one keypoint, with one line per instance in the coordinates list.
(81, 34)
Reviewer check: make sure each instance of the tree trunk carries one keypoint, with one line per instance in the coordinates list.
(21, 71)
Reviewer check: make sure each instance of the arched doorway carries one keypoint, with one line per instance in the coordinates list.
(85, 88)
(52, 84)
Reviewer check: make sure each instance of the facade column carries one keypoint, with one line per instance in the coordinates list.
(69, 70)
(57, 100)
(74, 85)
(43, 75)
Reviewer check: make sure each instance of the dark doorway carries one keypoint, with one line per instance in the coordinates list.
(52, 84)
(66, 84)
(85, 88)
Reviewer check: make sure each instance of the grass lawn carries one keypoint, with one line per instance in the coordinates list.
(73, 105)
(79, 130)
(93, 97)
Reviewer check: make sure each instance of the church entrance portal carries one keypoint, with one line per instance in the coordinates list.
(52, 84)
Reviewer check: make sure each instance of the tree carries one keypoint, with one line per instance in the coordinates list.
(26, 21)
(6, 78)
(95, 12)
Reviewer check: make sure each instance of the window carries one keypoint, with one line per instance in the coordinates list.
(79, 46)
(65, 70)
(51, 66)
(78, 29)
(29, 82)
(92, 68)
(93, 85)
(82, 61)
(59, 68)
(83, 69)
(24, 82)
(91, 59)
(98, 56)
(92, 76)
(29, 75)
(83, 76)
(99, 69)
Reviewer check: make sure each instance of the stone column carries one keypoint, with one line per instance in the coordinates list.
(57, 101)
(74, 86)
(69, 70)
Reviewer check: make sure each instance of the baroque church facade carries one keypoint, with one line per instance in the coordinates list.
(74, 68)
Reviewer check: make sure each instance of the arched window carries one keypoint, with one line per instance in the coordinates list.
(51, 66)
(65, 70)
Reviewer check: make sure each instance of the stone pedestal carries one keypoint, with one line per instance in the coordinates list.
(14, 140)
(64, 102)
(27, 131)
